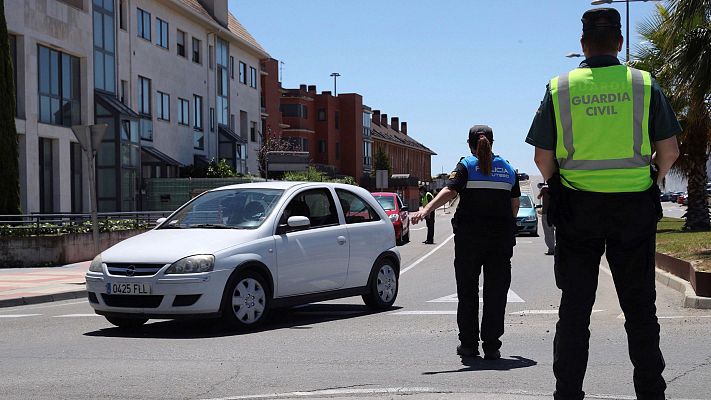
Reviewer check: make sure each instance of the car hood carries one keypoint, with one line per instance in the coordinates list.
(526, 212)
(170, 245)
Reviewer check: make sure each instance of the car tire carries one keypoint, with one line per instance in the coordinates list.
(406, 238)
(383, 285)
(126, 323)
(246, 301)
(398, 240)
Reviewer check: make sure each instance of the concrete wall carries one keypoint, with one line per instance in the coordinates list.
(33, 251)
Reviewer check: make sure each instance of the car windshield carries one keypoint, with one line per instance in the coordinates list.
(387, 202)
(525, 202)
(226, 209)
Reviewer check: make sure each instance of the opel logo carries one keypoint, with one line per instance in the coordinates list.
(130, 270)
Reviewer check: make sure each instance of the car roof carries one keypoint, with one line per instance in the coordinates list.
(286, 185)
(391, 194)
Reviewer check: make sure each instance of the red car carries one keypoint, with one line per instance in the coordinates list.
(397, 212)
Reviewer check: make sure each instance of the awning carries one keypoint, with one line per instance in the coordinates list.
(114, 104)
(160, 157)
(225, 130)
(400, 176)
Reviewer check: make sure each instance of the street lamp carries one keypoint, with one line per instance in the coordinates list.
(335, 76)
(627, 18)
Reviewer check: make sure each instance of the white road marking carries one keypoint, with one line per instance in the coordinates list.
(418, 229)
(75, 315)
(523, 241)
(511, 297)
(605, 270)
(16, 308)
(622, 316)
(426, 312)
(18, 315)
(535, 312)
(419, 260)
(333, 392)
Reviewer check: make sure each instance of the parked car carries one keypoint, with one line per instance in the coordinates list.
(527, 218)
(398, 214)
(674, 196)
(238, 251)
(683, 199)
(666, 196)
(522, 176)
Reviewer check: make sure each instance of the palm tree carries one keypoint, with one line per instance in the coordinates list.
(9, 152)
(677, 50)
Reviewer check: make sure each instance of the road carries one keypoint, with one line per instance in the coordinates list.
(339, 349)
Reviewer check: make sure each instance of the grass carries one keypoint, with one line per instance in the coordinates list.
(694, 247)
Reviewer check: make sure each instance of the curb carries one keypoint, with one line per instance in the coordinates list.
(691, 300)
(43, 298)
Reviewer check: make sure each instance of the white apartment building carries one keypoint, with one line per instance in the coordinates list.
(176, 81)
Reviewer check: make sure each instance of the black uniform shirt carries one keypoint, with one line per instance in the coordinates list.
(662, 120)
(485, 213)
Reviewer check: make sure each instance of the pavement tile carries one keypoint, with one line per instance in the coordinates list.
(38, 285)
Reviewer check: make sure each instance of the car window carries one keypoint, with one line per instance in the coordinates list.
(386, 202)
(230, 208)
(355, 209)
(525, 202)
(399, 202)
(316, 204)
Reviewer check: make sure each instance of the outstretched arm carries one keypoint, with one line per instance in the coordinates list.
(445, 195)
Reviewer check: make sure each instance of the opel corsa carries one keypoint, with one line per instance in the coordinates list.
(238, 251)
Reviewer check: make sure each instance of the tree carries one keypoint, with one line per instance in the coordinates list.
(219, 169)
(9, 151)
(381, 160)
(677, 50)
(271, 144)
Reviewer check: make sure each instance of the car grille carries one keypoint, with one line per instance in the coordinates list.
(127, 300)
(127, 269)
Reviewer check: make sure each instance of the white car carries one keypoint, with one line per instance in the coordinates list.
(239, 251)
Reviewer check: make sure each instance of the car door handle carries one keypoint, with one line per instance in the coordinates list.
(341, 240)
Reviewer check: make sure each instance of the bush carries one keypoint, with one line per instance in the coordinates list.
(108, 225)
(314, 175)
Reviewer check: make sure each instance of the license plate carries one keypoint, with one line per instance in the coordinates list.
(128, 288)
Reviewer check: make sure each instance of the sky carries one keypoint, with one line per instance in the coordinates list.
(440, 65)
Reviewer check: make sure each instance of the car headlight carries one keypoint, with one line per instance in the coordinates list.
(192, 265)
(95, 265)
(531, 218)
(394, 217)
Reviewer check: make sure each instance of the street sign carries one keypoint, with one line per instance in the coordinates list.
(381, 179)
(287, 161)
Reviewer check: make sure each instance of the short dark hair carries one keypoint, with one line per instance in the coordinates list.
(604, 40)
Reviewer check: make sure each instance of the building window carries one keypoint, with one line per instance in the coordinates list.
(124, 92)
(46, 175)
(143, 26)
(13, 59)
(232, 67)
(104, 69)
(338, 151)
(223, 90)
(163, 106)
(122, 14)
(197, 112)
(299, 144)
(78, 3)
(321, 146)
(367, 153)
(162, 33)
(242, 72)
(180, 43)
(144, 96)
(183, 112)
(252, 77)
(294, 110)
(75, 156)
(59, 88)
(253, 131)
(211, 56)
(196, 51)
(212, 119)
(337, 120)
(321, 114)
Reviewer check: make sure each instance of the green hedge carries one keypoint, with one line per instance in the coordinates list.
(108, 225)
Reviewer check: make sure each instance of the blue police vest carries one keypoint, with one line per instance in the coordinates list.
(502, 177)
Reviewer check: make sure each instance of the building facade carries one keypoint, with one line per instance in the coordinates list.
(176, 81)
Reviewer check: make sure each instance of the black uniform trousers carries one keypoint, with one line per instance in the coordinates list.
(622, 226)
(430, 219)
(470, 255)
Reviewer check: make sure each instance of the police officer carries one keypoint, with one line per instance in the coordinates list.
(484, 236)
(599, 130)
(425, 198)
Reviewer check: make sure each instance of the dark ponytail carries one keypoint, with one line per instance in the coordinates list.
(483, 153)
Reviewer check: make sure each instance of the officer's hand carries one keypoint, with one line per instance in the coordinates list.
(417, 217)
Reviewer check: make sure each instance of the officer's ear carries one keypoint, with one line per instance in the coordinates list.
(620, 41)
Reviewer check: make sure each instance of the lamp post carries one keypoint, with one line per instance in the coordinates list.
(335, 76)
(627, 19)
(90, 137)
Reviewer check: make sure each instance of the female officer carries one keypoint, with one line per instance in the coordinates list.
(484, 236)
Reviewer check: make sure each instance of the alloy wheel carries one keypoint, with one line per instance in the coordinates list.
(248, 301)
(387, 283)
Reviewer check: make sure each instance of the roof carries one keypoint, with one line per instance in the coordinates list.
(160, 156)
(233, 25)
(227, 131)
(387, 134)
(115, 104)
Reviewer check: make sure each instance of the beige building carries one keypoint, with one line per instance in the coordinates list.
(176, 81)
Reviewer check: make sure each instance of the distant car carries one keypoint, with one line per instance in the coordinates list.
(666, 196)
(674, 196)
(527, 218)
(238, 251)
(398, 214)
(522, 176)
(683, 199)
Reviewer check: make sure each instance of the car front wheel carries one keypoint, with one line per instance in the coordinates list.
(127, 323)
(383, 286)
(246, 301)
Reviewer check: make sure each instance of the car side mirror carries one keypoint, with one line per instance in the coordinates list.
(298, 221)
(160, 220)
(404, 208)
(539, 205)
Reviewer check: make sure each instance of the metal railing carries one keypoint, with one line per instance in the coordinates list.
(39, 224)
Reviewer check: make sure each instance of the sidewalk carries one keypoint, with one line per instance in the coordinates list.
(20, 286)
